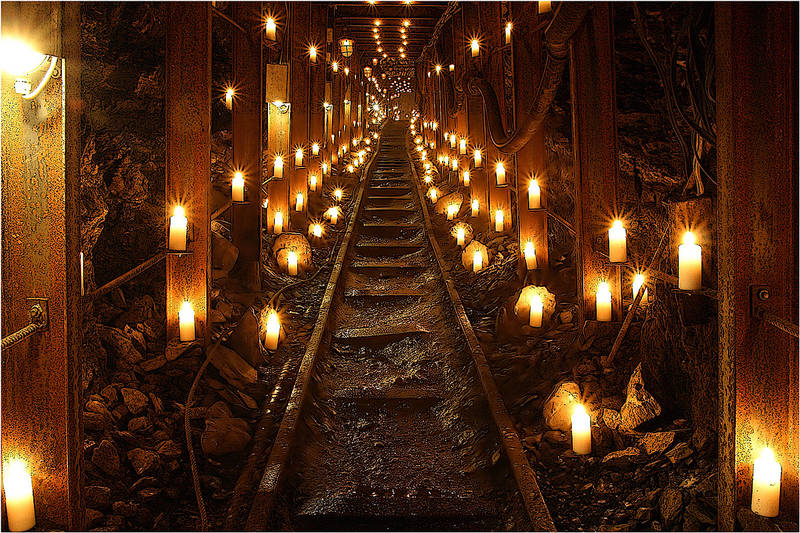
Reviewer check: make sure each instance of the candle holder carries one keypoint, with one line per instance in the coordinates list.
(189, 240)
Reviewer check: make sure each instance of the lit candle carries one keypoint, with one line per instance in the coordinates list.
(477, 261)
(312, 182)
(229, 98)
(690, 264)
(291, 263)
(278, 224)
(350, 168)
(18, 490)
(508, 32)
(433, 194)
(617, 250)
(581, 431)
(277, 167)
(453, 141)
(324, 168)
(544, 6)
(638, 283)
(766, 484)
(462, 147)
(335, 66)
(500, 173)
(465, 177)
(460, 236)
(452, 211)
(530, 255)
(298, 206)
(333, 215)
(271, 29)
(312, 54)
(237, 187)
(337, 194)
(475, 47)
(315, 230)
(537, 308)
(498, 220)
(177, 229)
(298, 158)
(315, 149)
(454, 162)
(186, 322)
(273, 330)
(475, 207)
(603, 302)
(478, 158)
(534, 195)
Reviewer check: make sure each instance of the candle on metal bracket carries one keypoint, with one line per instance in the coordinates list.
(534, 195)
(603, 302)
(530, 255)
(617, 248)
(18, 491)
(186, 331)
(690, 264)
(277, 226)
(237, 187)
(177, 229)
(277, 167)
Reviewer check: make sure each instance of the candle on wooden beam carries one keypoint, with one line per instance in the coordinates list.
(277, 167)
(291, 263)
(766, 496)
(477, 261)
(454, 164)
(324, 167)
(500, 173)
(271, 29)
(315, 149)
(299, 202)
(617, 248)
(298, 158)
(18, 491)
(690, 265)
(453, 141)
(312, 182)
(581, 431)
(462, 147)
(476, 206)
(277, 226)
(603, 302)
(509, 25)
(475, 47)
(530, 256)
(272, 330)
(534, 195)
(465, 178)
(186, 330)
(229, 98)
(499, 220)
(638, 283)
(312, 54)
(460, 236)
(476, 154)
(237, 187)
(177, 229)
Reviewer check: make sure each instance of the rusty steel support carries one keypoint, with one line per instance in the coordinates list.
(594, 137)
(247, 109)
(188, 160)
(299, 95)
(41, 407)
(526, 45)
(316, 111)
(756, 61)
(277, 90)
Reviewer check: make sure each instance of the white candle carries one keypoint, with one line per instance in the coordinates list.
(312, 54)
(312, 182)
(690, 264)
(277, 167)
(475, 207)
(229, 98)
(477, 261)
(277, 226)
(465, 176)
(299, 202)
(18, 490)
(177, 229)
(530, 255)
(337, 194)
(237, 187)
(603, 302)
(350, 169)
(537, 308)
(271, 29)
(460, 236)
(427, 178)
(186, 322)
(273, 330)
(453, 141)
(291, 263)
(475, 47)
(498, 220)
(454, 163)
(324, 169)
(333, 215)
(638, 283)
(500, 173)
(452, 210)
(766, 484)
(544, 6)
(478, 158)
(534, 195)
(433, 194)
(617, 249)
(315, 149)
(508, 32)
(315, 230)
(83, 287)
(581, 431)
(462, 147)
(298, 158)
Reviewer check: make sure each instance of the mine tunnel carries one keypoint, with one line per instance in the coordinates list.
(399, 266)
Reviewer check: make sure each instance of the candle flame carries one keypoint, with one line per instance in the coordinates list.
(617, 224)
(579, 410)
(291, 257)
(178, 211)
(16, 476)
(688, 238)
(337, 193)
(603, 288)
(529, 249)
(273, 322)
(186, 307)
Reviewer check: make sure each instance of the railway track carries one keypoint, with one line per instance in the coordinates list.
(394, 422)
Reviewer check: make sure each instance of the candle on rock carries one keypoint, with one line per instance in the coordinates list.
(617, 248)
(277, 167)
(603, 302)
(499, 221)
(536, 311)
(186, 322)
(530, 255)
(177, 229)
(534, 195)
(315, 230)
(690, 265)
(277, 226)
(18, 491)
(291, 263)
(477, 261)
(581, 431)
(500, 173)
(475, 207)
(638, 283)
(766, 495)
(237, 187)
(272, 330)
(460, 236)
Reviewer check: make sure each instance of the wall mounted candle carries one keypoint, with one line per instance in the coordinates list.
(603, 302)
(452, 211)
(508, 32)
(638, 283)
(83, 286)
(454, 164)
(237, 187)
(186, 329)
(534, 195)
(312, 182)
(177, 230)
(690, 265)
(617, 248)
(766, 496)
(312, 54)
(299, 202)
(18, 491)
(478, 158)
(272, 330)
(324, 168)
(277, 167)
(271, 29)
(451, 67)
(315, 149)
(453, 141)
(499, 220)
(500, 173)
(476, 206)
(291, 263)
(229, 98)
(337, 194)
(465, 178)
(475, 47)
(530, 256)
(277, 226)
(460, 236)
(427, 178)
(298, 158)
(462, 147)
(581, 431)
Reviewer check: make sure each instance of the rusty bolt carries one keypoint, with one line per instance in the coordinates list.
(36, 314)
(763, 294)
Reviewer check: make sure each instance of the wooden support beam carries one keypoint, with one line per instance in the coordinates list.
(247, 109)
(299, 95)
(756, 61)
(316, 111)
(594, 138)
(41, 406)
(277, 90)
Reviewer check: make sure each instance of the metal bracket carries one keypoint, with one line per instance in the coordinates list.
(38, 312)
(759, 296)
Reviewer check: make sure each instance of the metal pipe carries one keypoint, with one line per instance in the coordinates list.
(778, 322)
(130, 274)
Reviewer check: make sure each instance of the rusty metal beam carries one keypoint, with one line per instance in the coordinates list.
(756, 61)
(188, 162)
(299, 94)
(41, 406)
(316, 113)
(594, 138)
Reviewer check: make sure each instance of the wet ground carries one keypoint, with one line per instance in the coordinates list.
(397, 434)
